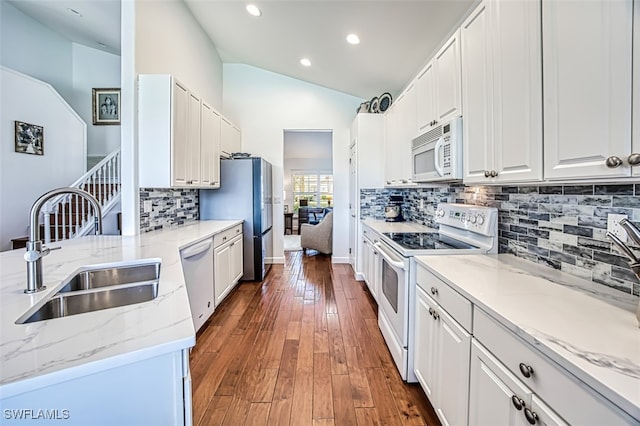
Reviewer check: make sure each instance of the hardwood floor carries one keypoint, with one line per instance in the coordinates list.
(300, 348)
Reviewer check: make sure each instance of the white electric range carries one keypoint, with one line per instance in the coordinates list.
(463, 229)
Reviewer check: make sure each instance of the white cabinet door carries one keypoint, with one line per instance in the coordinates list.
(210, 147)
(402, 122)
(454, 345)
(587, 48)
(179, 148)
(447, 69)
(476, 90)
(502, 89)
(494, 393)
(391, 140)
(236, 266)
(635, 131)
(226, 137)
(366, 259)
(193, 141)
(517, 90)
(425, 97)
(426, 338)
(222, 272)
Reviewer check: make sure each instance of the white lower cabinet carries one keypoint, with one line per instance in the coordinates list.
(153, 391)
(227, 262)
(497, 397)
(441, 360)
(371, 265)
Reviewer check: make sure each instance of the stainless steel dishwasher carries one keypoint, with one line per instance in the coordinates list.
(197, 266)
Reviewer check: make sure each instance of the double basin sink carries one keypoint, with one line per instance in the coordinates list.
(97, 288)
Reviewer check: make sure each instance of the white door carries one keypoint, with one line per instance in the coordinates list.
(426, 337)
(354, 198)
(222, 272)
(179, 148)
(476, 91)
(425, 98)
(453, 346)
(447, 68)
(517, 90)
(496, 397)
(210, 147)
(193, 141)
(236, 265)
(587, 51)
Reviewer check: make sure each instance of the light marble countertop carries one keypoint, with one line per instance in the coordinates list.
(47, 352)
(381, 226)
(587, 328)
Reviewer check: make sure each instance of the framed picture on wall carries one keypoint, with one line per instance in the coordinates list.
(106, 106)
(29, 138)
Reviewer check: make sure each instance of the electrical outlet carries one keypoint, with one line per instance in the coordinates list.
(147, 206)
(178, 203)
(613, 225)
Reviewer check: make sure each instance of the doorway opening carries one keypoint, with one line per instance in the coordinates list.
(307, 182)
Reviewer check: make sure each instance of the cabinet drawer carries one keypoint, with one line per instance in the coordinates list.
(572, 399)
(451, 301)
(227, 235)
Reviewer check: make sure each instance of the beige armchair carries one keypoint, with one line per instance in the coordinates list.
(318, 237)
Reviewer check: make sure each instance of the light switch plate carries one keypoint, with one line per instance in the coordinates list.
(613, 225)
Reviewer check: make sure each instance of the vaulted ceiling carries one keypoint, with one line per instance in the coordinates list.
(397, 36)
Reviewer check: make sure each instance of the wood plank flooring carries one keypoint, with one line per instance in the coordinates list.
(300, 348)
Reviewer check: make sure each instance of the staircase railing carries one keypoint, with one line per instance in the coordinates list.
(68, 216)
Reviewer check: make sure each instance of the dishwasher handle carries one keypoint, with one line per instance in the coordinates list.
(197, 249)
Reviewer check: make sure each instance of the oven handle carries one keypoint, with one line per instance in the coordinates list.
(388, 257)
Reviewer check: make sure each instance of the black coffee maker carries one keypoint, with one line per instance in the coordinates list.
(393, 210)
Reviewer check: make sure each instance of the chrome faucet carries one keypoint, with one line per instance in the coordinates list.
(35, 250)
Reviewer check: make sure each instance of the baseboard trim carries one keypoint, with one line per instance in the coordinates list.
(274, 260)
(335, 259)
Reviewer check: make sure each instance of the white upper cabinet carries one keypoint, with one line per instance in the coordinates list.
(178, 134)
(400, 129)
(210, 148)
(230, 138)
(502, 93)
(587, 88)
(438, 87)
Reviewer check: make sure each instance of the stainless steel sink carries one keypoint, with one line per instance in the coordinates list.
(95, 289)
(109, 276)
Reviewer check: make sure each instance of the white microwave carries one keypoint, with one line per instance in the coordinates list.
(436, 155)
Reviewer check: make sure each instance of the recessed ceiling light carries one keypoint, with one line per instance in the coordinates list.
(353, 39)
(74, 12)
(253, 10)
(305, 62)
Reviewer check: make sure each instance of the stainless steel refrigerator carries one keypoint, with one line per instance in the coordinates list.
(245, 193)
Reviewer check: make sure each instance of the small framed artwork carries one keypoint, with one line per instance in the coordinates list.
(106, 106)
(29, 138)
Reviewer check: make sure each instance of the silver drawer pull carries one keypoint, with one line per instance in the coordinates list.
(434, 290)
(613, 162)
(517, 402)
(634, 159)
(526, 370)
(531, 416)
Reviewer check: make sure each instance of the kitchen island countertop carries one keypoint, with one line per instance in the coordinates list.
(43, 353)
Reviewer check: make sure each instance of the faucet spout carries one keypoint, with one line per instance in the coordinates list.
(35, 252)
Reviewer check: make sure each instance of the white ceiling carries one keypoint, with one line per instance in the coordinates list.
(397, 36)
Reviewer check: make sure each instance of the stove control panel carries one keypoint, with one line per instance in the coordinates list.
(478, 219)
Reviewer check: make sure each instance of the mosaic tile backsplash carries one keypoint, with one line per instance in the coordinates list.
(165, 212)
(562, 227)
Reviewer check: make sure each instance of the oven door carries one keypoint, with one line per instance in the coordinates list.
(393, 303)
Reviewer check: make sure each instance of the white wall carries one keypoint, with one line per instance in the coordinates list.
(33, 49)
(24, 177)
(94, 68)
(264, 104)
(170, 41)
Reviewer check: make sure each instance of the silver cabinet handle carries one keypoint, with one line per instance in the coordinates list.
(517, 402)
(613, 162)
(493, 173)
(531, 416)
(634, 159)
(434, 290)
(486, 173)
(526, 370)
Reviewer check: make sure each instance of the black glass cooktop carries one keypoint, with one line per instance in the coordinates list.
(426, 241)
